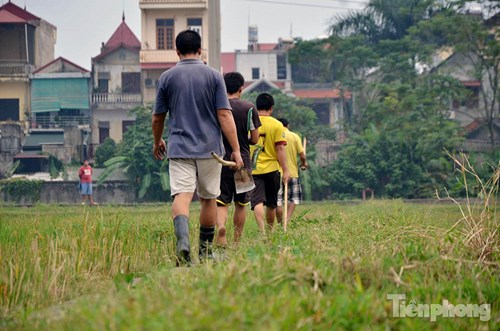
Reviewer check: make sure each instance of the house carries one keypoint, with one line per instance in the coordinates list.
(161, 21)
(116, 85)
(260, 60)
(466, 108)
(60, 106)
(60, 95)
(26, 43)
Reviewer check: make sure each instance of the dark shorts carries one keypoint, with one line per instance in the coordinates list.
(228, 193)
(266, 189)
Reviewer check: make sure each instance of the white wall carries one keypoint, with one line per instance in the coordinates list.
(265, 61)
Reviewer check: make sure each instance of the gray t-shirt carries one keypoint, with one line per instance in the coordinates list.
(191, 92)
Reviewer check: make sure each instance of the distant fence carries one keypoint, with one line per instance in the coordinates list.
(479, 145)
(66, 192)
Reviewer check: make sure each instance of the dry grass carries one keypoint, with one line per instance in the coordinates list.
(479, 214)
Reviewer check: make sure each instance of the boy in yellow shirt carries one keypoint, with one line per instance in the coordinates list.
(293, 148)
(272, 156)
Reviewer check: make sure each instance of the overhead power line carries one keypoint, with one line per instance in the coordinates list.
(301, 4)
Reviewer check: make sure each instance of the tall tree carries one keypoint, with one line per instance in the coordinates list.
(383, 19)
(475, 38)
(400, 150)
(134, 157)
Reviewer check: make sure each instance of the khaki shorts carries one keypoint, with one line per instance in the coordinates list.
(188, 175)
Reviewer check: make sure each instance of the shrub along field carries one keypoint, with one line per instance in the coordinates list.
(111, 268)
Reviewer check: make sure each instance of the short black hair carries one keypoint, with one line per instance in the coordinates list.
(234, 81)
(188, 42)
(284, 121)
(265, 101)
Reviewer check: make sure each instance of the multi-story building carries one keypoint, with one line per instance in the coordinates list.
(161, 21)
(263, 60)
(116, 85)
(265, 67)
(27, 42)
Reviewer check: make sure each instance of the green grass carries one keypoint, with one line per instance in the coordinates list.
(111, 268)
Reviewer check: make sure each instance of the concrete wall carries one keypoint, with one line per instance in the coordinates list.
(6, 162)
(11, 138)
(46, 36)
(10, 144)
(113, 192)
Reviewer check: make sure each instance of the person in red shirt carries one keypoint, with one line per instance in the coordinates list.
(85, 174)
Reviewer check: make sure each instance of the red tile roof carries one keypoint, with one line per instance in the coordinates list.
(473, 125)
(7, 17)
(228, 62)
(471, 83)
(320, 94)
(265, 47)
(123, 36)
(19, 12)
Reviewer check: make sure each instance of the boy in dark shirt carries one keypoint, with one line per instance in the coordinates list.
(247, 121)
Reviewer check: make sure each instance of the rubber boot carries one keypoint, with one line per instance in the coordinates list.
(206, 238)
(181, 228)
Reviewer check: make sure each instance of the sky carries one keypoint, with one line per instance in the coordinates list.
(82, 25)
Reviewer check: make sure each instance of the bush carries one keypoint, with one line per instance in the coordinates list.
(18, 189)
(105, 151)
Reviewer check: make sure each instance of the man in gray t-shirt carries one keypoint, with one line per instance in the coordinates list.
(194, 95)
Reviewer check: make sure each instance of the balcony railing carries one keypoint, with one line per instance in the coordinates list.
(116, 98)
(16, 69)
(44, 122)
(164, 56)
(172, 4)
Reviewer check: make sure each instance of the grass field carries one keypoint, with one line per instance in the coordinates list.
(111, 268)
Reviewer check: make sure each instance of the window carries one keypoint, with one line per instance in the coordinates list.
(255, 73)
(9, 109)
(131, 82)
(103, 131)
(195, 25)
(281, 59)
(165, 33)
(103, 85)
(470, 99)
(473, 97)
(126, 125)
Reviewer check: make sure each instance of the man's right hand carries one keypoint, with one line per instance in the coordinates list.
(236, 157)
(286, 175)
(159, 150)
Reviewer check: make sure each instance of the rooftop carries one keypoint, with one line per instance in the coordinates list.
(23, 14)
(123, 35)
